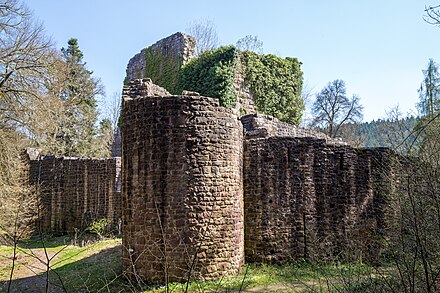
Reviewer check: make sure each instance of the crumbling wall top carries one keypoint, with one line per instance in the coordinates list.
(178, 45)
(145, 87)
(261, 125)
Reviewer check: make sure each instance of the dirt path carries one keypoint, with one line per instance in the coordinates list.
(29, 272)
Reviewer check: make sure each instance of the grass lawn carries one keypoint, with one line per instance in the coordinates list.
(96, 267)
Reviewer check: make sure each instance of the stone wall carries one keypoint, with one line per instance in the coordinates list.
(179, 46)
(261, 125)
(77, 191)
(182, 186)
(245, 101)
(307, 198)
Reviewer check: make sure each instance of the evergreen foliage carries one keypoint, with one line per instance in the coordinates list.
(79, 90)
(163, 70)
(380, 133)
(212, 74)
(275, 84)
(428, 125)
(429, 91)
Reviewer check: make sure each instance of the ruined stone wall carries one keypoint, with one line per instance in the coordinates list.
(245, 101)
(178, 46)
(262, 125)
(308, 198)
(77, 191)
(182, 187)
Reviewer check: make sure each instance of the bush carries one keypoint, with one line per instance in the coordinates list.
(99, 227)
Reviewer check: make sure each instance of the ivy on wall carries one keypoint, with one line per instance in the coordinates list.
(164, 70)
(212, 74)
(275, 83)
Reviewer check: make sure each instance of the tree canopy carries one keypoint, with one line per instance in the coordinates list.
(429, 91)
(275, 83)
(79, 92)
(47, 96)
(332, 108)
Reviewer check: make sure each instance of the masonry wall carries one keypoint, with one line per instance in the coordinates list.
(179, 47)
(77, 191)
(305, 198)
(262, 125)
(182, 187)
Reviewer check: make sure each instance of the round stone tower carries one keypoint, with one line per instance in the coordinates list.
(182, 186)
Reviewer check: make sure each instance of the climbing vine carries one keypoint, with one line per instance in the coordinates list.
(212, 74)
(275, 84)
(164, 70)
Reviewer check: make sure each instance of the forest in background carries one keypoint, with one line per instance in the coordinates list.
(49, 100)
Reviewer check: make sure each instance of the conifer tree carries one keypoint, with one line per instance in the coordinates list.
(429, 92)
(79, 92)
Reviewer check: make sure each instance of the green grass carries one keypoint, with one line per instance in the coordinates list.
(297, 276)
(97, 267)
(90, 266)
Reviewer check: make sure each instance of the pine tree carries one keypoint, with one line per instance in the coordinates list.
(76, 136)
(429, 92)
(428, 125)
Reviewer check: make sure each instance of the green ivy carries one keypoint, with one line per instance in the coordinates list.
(276, 85)
(212, 74)
(164, 70)
(274, 82)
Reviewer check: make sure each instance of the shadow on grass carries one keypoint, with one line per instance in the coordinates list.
(53, 241)
(89, 274)
(80, 271)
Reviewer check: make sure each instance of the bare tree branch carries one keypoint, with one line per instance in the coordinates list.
(333, 109)
(205, 34)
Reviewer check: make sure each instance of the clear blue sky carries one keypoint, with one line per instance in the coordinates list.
(379, 47)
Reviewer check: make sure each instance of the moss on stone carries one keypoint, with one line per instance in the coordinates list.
(275, 83)
(164, 70)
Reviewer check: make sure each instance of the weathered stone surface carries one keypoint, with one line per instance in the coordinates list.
(179, 45)
(245, 101)
(304, 193)
(142, 88)
(186, 166)
(117, 144)
(189, 93)
(307, 198)
(77, 191)
(32, 153)
(182, 187)
(261, 125)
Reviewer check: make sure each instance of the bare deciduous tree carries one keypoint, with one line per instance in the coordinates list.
(250, 43)
(109, 130)
(205, 34)
(332, 108)
(307, 94)
(18, 203)
(415, 247)
(432, 15)
(113, 109)
(25, 56)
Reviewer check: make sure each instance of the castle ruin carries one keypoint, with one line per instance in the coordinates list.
(201, 193)
(205, 189)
